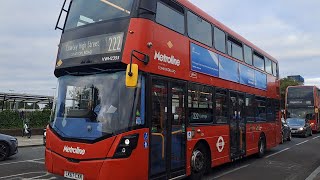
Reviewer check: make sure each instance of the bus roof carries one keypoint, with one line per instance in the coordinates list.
(302, 86)
(209, 18)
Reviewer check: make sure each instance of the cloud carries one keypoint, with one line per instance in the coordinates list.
(288, 30)
(28, 46)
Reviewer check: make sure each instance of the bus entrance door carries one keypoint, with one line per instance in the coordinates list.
(237, 125)
(168, 137)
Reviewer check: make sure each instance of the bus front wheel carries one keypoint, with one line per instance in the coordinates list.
(200, 162)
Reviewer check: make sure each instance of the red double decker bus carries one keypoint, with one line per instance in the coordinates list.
(304, 102)
(157, 89)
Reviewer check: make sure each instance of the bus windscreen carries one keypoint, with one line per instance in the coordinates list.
(300, 93)
(83, 12)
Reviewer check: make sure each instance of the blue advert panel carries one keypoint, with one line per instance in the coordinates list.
(247, 75)
(210, 63)
(261, 80)
(228, 69)
(204, 61)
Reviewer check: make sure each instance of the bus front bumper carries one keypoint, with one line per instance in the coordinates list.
(93, 169)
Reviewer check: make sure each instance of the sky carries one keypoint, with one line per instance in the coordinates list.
(288, 30)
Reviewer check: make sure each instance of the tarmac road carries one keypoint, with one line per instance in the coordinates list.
(295, 160)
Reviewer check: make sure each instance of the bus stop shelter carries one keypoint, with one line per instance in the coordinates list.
(15, 101)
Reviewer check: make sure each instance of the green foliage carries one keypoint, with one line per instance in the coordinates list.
(284, 83)
(12, 120)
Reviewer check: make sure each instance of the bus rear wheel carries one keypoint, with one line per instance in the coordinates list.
(262, 147)
(200, 162)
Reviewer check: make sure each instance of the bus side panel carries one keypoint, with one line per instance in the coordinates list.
(271, 137)
(217, 138)
(168, 50)
(254, 130)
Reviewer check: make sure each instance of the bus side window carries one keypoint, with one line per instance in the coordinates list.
(260, 109)
(250, 108)
(170, 17)
(270, 110)
(219, 40)
(222, 110)
(199, 29)
(200, 104)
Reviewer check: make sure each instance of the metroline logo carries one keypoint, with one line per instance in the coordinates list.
(74, 150)
(166, 59)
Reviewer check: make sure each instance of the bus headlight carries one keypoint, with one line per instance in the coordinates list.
(126, 146)
(301, 129)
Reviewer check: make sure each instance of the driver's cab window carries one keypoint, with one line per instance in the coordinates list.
(79, 101)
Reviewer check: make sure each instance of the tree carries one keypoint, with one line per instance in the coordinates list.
(284, 83)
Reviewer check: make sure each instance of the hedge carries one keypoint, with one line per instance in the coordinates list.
(12, 119)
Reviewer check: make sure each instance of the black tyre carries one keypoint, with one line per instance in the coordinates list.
(282, 139)
(261, 147)
(200, 162)
(289, 137)
(311, 132)
(4, 151)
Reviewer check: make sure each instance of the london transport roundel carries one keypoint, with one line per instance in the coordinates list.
(220, 144)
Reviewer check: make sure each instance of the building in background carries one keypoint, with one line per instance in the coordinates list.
(297, 78)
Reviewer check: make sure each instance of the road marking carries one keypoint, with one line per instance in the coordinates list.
(277, 152)
(314, 174)
(30, 160)
(40, 176)
(40, 162)
(231, 171)
(6, 177)
(316, 137)
(302, 142)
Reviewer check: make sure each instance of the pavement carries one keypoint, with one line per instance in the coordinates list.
(36, 140)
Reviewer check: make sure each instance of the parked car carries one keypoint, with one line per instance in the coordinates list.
(285, 131)
(8, 146)
(44, 136)
(299, 127)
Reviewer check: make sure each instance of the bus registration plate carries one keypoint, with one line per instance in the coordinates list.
(72, 175)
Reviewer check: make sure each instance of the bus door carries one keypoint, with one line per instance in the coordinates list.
(168, 137)
(237, 125)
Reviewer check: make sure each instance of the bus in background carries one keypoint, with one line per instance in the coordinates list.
(157, 89)
(304, 102)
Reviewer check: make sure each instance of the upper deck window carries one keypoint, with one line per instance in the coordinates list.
(247, 54)
(83, 12)
(199, 29)
(235, 48)
(170, 18)
(268, 66)
(219, 40)
(274, 69)
(258, 61)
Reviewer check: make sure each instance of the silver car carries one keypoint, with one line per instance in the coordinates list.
(8, 146)
(299, 127)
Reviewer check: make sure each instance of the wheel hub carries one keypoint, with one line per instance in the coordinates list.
(262, 147)
(197, 161)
